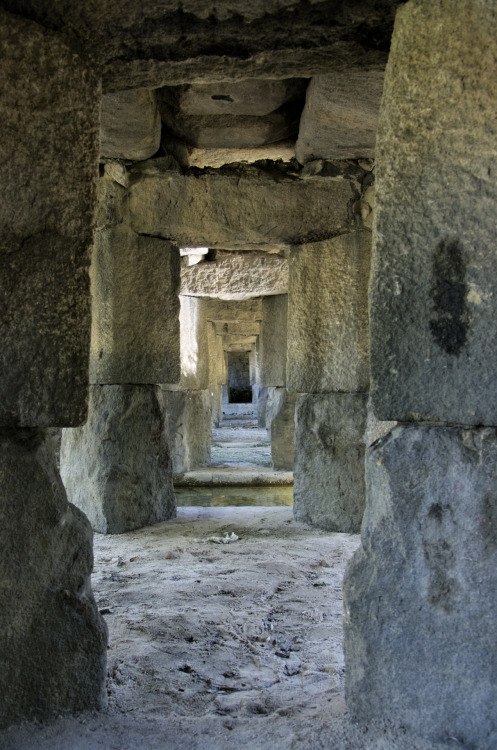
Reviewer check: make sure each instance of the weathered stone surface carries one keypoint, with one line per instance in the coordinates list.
(433, 302)
(193, 343)
(52, 638)
(236, 276)
(420, 612)
(233, 131)
(216, 395)
(200, 41)
(249, 98)
(189, 418)
(273, 346)
(329, 484)
(111, 203)
(48, 157)
(246, 208)
(241, 310)
(189, 156)
(340, 116)
(282, 429)
(135, 328)
(217, 374)
(328, 343)
(130, 125)
(117, 467)
(237, 328)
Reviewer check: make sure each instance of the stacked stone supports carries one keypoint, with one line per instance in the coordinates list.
(117, 467)
(188, 404)
(328, 362)
(52, 638)
(420, 593)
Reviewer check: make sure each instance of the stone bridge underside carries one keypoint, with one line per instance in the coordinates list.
(286, 181)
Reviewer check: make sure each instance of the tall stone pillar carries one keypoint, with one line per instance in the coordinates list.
(421, 613)
(52, 638)
(188, 404)
(328, 363)
(117, 467)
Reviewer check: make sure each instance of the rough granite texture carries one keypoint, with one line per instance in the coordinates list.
(117, 467)
(53, 641)
(49, 111)
(433, 302)
(194, 40)
(189, 419)
(328, 345)
(254, 98)
(340, 116)
(273, 340)
(236, 276)
(231, 131)
(421, 624)
(194, 343)
(135, 327)
(329, 484)
(282, 428)
(130, 125)
(246, 208)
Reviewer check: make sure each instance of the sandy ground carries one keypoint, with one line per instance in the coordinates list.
(219, 646)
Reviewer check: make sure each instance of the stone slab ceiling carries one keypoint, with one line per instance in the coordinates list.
(159, 42)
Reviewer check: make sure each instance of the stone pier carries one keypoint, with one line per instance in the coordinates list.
(188, 404)
(328, 362)
(117, 467)
(420, 606)
(52, 637)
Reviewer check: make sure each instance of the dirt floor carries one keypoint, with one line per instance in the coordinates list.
(215, 646)
(218, 645)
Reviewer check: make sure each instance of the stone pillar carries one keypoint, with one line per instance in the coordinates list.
(114, 465)
(282, 429)
(273, 340)
(188, 404)
(328, 362)
(52, 638)
(216, 372)
(421, 612)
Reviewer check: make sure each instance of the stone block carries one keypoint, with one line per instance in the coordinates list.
(117, 467)
(48, 170)
(130, 125)
(434, 268)
(194, 343)
(282, 429)
(329, 483)
(189, 418)
(250, 97)
(273, 342)
(135, 328)
(328, 342)
(236, 276)
(234, 311)
(421, 621)
(340, 116)
(247, 208)
(53, 640)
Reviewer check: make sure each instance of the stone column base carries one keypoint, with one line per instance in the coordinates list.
(52, 638)
(117, 467)
(421, 609)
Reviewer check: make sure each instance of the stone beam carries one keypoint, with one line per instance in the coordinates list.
(236, 310)
(185, 41)
(247, 208)
(236, 276)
